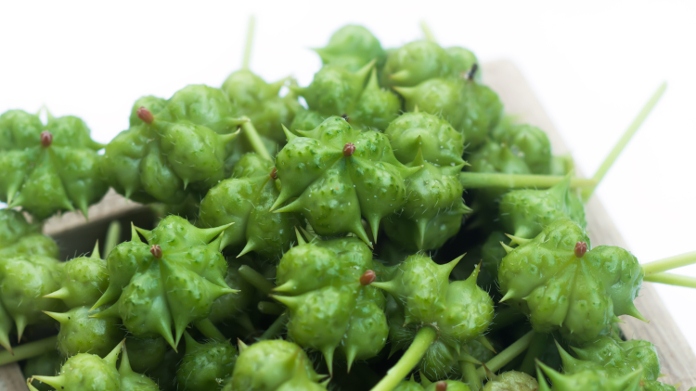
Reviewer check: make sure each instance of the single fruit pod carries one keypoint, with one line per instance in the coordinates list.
(340, 174)
(438, 96)
(82, 333)
(306, 119)
(49, 168)
(525, 213)
(483, 110)
(270, 365)
(352, 47)
(24, 281)
(171, 145)
(131, 380)
(526, 141)
(229, 307)
(462, 60)
(588, 379)
(170, 280)
(415, 63)
(146, 353)
(553, 277)
(82, 280)
(18, 236)
(409, 385)
(47, 364)
(205, 366)
(326, 286)
(420, 132)
(512, 380)
(245, 200)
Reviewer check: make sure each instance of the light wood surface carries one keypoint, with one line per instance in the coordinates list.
(678, 360)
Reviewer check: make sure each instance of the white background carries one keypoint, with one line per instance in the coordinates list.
(592, 64)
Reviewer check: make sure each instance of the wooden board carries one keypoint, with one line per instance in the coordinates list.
(678, 360)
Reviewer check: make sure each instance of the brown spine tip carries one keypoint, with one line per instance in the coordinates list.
(368, 277)
(441, 386)
(472, 72)
(145, 115)
(46, 138)
(348, 149)
(274, 173)
(345, 117)
(156, 251)
(580, 249)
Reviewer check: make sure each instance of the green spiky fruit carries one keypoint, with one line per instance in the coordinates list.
(245, 200)
(82, 333)
(352, 47)
(146, 353)
(588, 380)
(170, 280)
(206, 366)
(172, 147)
(433, 137)
(409, 385)
(525, 213)
(331, 304)
(306, 119)
(563, 286)
(18, 236)
(512, 381)
(47, 364)
(415, 63)
(82, 280)
(462, 61)
(49, 168)
(274, 365)
(340, 174)
(133, 381)
(528, 142)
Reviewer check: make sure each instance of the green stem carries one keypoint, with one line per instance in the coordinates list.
(268, 308)
(247, 46)
(113, 237)
(625, 138)
(29, 350)
(275, 328)
(507, 355)
(477, 180)
(424, 338)
(244, 320)
(429, 36)
(256, 279)
(672, 279)
(670, 263)
(471, 376)
(505, 317)
(536, 348)
(255, 140)
(208, 329)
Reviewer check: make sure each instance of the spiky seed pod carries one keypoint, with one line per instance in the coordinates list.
(587, 380)
(415, 63)
(171, 145)
(245, 200)
(170, 281)
(82, 280)
(352, 47)
(82, 333)
(438, 96)
(18, 236)
(145, 353)
(525, 213)
(409, 385)
(462, 60)
(47, 364)
(326, 286)
(526, 141)
(206, 366)
(512, 380)
(306, 119)
(48, 168)
(336, 185)
(132, 381)
(578, 293)
(270, 365)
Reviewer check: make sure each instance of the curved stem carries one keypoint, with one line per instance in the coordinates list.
(249, 40)
(253, 137)
(208, 329)
(471, 377)
(268, 308)
(427, 31)
(29, 350)
(256, 279)
(424, 338)
(275, 328)
(113, 237)
(672, 279)
(625, 138)
(536, 348)
(670, 263)
(477, 180)
(507, 355)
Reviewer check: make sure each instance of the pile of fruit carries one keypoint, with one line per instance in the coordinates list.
(387, 227)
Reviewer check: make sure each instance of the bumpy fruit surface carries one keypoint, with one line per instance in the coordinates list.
(526, 141)
(82, 280)
(172, 147)
(563, 286)
(132, 381)
(274, 365)
(82, 333)
(512, 381)
(206, 366)
(352, 47)
(171, 280)
(18, 236)
(588, 380)
(246, 200)
(415, 63)
(462, 60)
(48, 168)
(331, 304)
(340, 174)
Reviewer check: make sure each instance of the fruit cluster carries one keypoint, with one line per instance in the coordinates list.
(326, 237)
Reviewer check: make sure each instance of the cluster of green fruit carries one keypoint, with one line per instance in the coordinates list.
(332, 225)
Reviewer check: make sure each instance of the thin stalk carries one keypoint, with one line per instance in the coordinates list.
(275, 328)
(253, 137)
(536, 348)
(478, 180)
(625, 138)
(424, 338)
(29, 350)
(670, 263)
(208, 329)
(429, 36)
(672, 279)
(507, 355)
(113, 237)
(505, 317)
(471, 376)
(268, 308)
(256, 279)
(246, 60)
